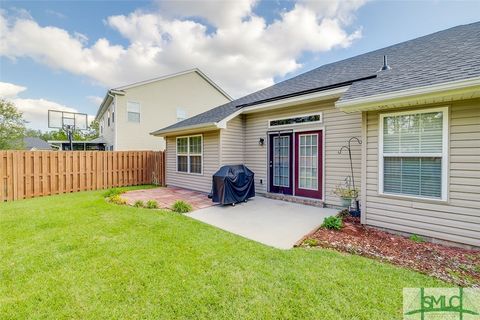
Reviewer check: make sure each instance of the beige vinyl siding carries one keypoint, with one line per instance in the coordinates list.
(159, 101)
(232, 142)
(338, 128)
(457, 219)
(197, 182)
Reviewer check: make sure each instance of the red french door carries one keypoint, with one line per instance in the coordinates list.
(280, 163)
(309, 164)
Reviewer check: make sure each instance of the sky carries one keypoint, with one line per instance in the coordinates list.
(65, 55)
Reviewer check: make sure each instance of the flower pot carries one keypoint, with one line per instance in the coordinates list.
(346, 202)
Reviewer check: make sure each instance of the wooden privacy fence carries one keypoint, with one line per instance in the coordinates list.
(28, 174)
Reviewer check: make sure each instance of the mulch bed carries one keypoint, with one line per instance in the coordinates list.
(454, 265)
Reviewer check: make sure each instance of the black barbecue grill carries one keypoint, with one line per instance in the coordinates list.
(233, 184)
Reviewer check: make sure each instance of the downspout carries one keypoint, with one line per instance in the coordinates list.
(114, 97)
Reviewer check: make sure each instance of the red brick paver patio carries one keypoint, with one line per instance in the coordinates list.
(166, 197)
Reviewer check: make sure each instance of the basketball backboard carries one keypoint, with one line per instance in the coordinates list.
(72, 120)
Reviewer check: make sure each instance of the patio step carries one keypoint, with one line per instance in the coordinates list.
(300, 200)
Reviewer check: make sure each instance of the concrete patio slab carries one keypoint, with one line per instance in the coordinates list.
(272, 222)
(167, 196)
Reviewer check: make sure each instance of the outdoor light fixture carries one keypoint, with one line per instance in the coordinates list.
(261, 142)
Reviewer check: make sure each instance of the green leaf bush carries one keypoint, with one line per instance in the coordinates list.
(333, 223)
(117, 199)
(113, 192)
(151, 204)
(139, 204)
(181, 207)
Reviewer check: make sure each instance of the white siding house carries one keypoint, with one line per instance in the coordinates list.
(130, 113)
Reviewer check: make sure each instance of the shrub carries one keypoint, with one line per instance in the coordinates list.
(343, 214)
(117, 199)
(332, 222)
(113, 192)
(310, 242)
(181, 207)
(151, 204)
(416, 238)
(345, 192)
(138, 204)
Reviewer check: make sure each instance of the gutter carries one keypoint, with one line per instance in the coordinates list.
(454, 90)
(204, 126)
(110, 94)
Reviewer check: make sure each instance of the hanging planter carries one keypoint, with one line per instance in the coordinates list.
(348, 194)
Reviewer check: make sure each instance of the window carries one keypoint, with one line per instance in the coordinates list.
(304, 119)
(133, 111)
(281, 161)
(108, 118)
(413, 153)
(189, 154)
(308, 162)
(181, 114)
(113, 116)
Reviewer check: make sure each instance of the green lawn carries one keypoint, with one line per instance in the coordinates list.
(76, 256)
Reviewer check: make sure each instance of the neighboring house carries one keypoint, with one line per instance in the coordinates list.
(97, 144)
(35, 143)
(418, 118)
(128, 114)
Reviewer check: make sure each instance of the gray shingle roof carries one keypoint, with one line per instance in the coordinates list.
(445, 56)
(36, 143)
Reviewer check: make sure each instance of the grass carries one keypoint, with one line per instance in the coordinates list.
(77, 256)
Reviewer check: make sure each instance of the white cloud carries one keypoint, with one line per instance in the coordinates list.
(95, 100)
(56, 14)
(243, 53)
(8, 90)
(35, 111)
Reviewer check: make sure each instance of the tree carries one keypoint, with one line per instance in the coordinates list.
(12, 126)
(92, 132)
(60, 134)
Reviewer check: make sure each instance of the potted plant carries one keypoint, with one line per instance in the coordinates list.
(346, 194)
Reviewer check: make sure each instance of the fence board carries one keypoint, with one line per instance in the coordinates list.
(27, 174)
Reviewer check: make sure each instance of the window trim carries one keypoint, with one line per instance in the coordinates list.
(290, 164)
(444, 154)
(296, 116)
(318, 151)
(139, 112)
(188, 154)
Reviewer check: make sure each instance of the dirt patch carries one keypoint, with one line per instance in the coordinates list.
(455, 265)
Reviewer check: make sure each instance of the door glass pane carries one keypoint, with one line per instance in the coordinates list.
(281, 161)
(308, 162)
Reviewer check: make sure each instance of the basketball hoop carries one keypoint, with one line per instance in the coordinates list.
(68, 122)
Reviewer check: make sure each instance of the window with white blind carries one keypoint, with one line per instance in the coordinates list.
(133, 111)
(190, 154)
(413, 153)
